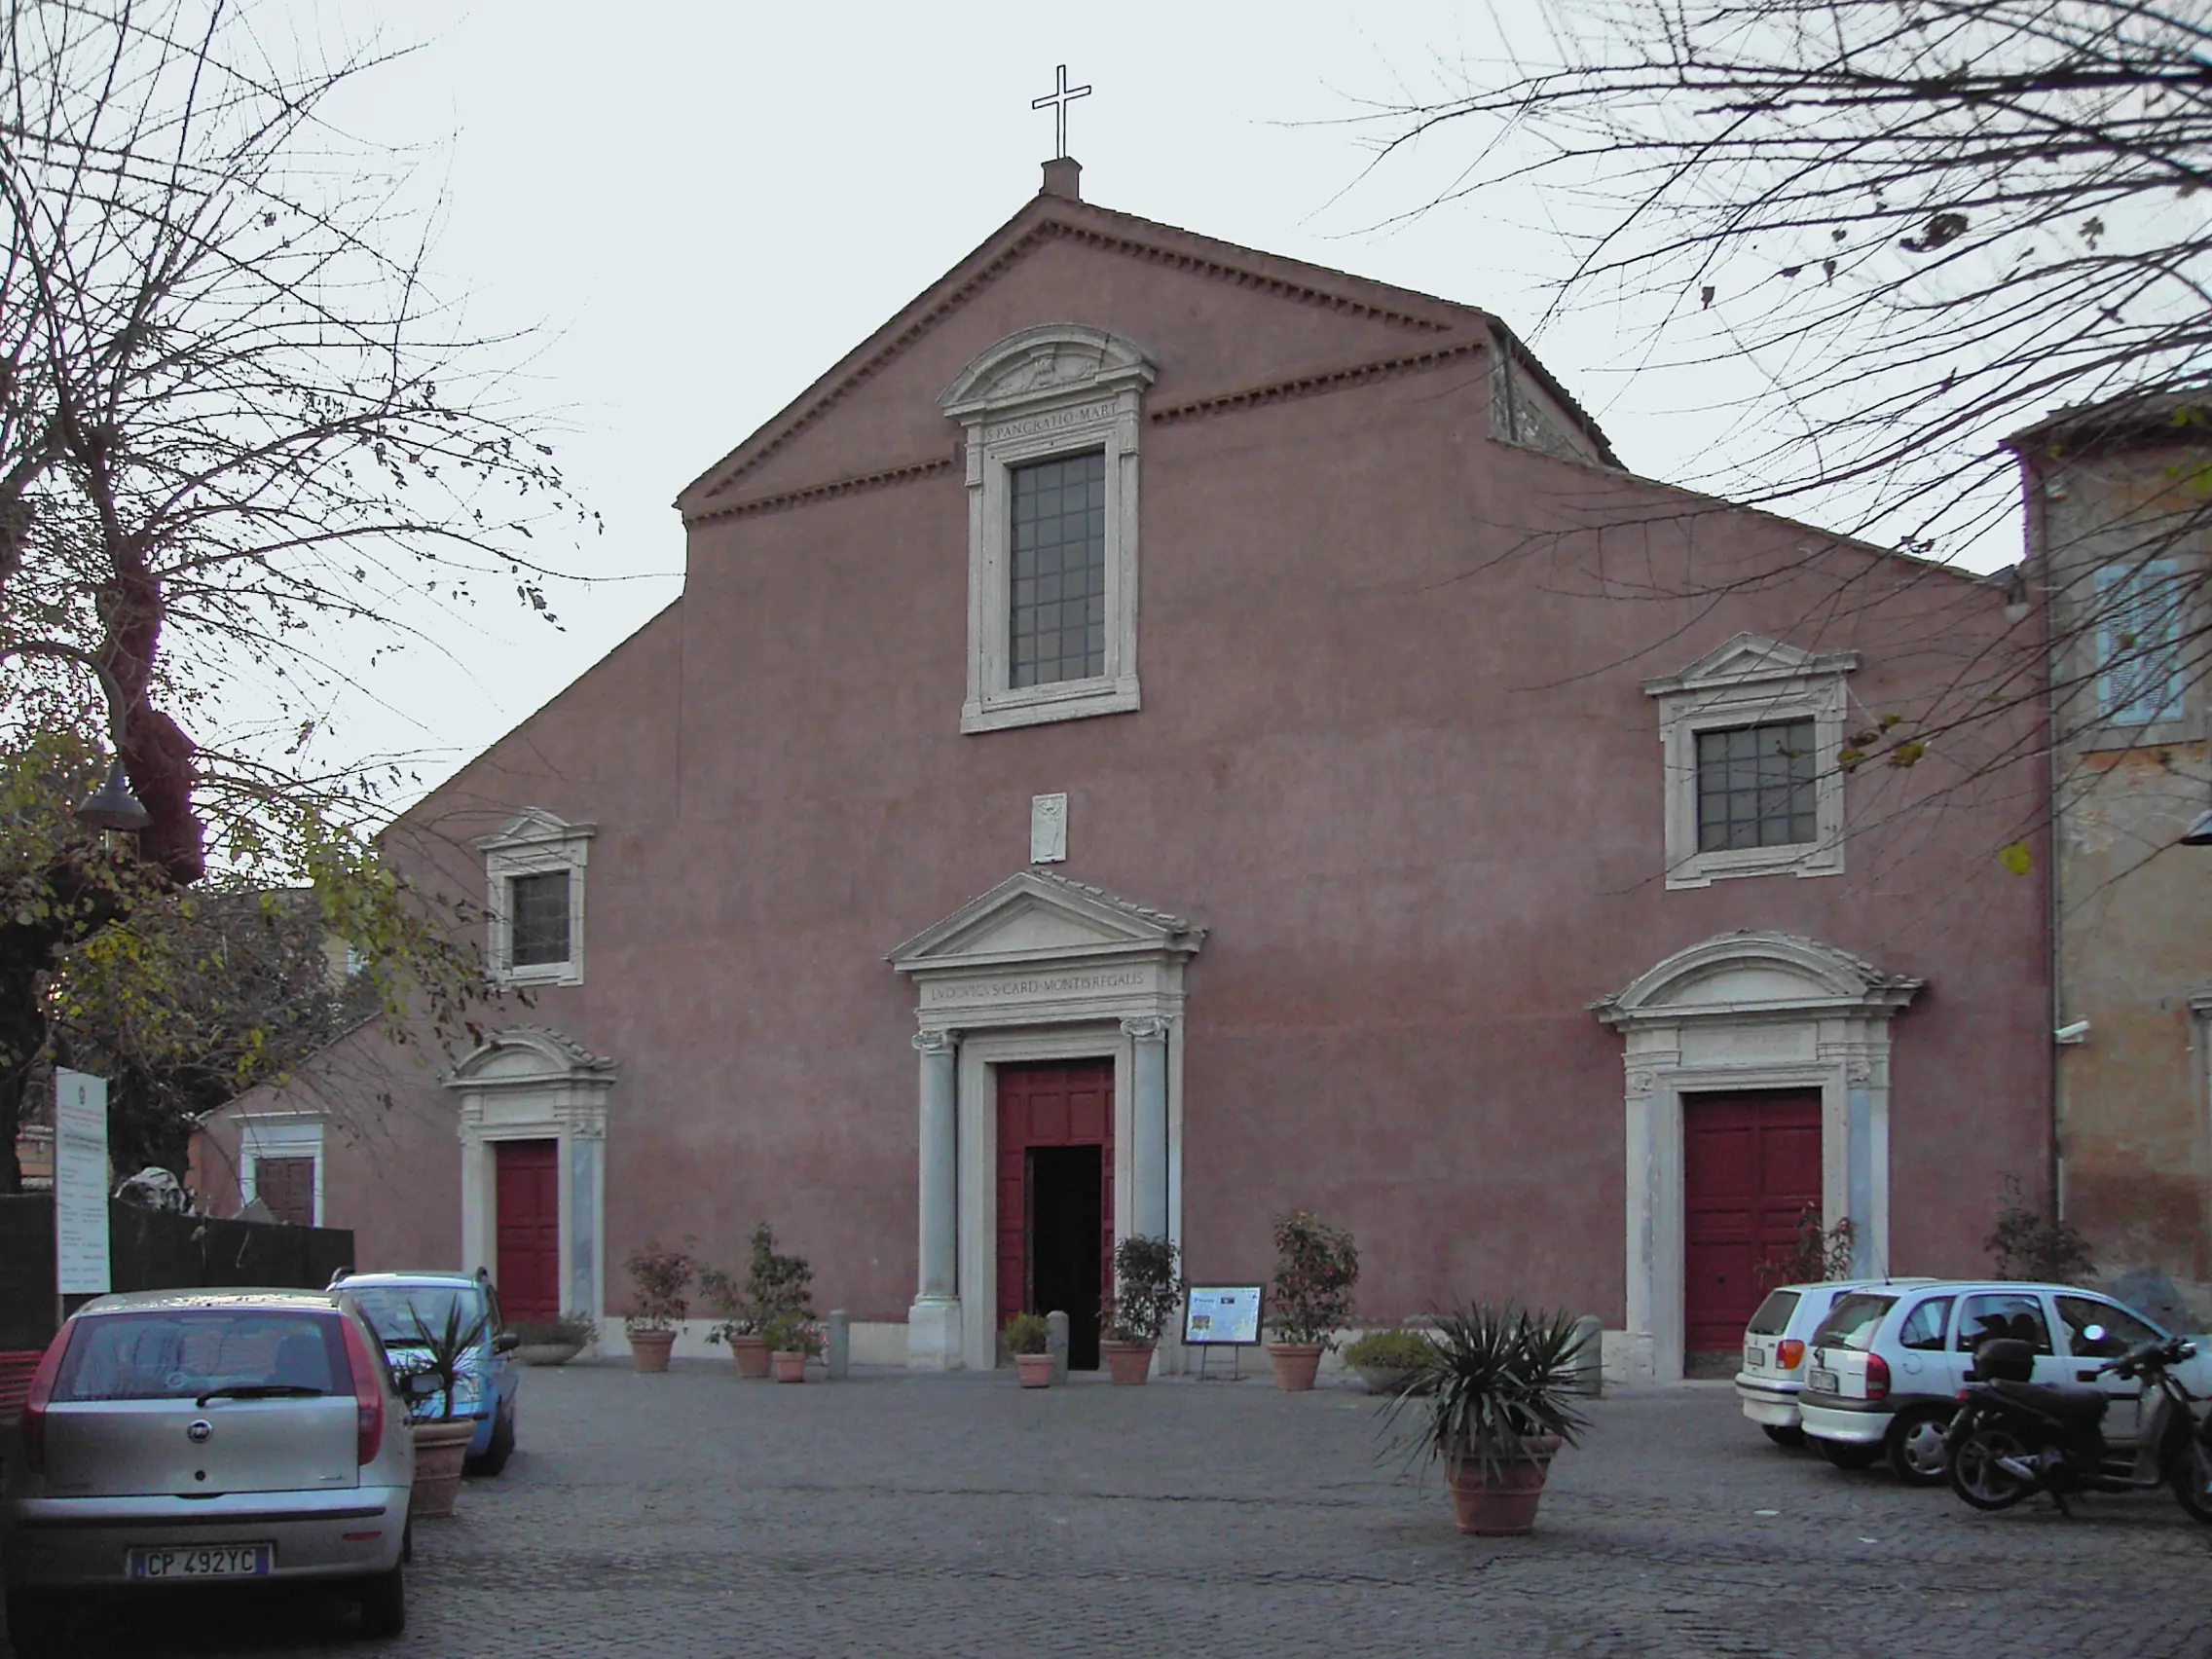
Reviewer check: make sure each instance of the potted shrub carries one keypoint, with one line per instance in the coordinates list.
(1026, 1339)
(1492, 1406)
(553, 1341)
(740, 1325)
(792, 1339)
(441, 1440)
(658, 1280)
(1148, 1288)
(1316, 1266)
(1388, 1361)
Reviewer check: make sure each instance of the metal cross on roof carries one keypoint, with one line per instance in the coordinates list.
(1060, 97)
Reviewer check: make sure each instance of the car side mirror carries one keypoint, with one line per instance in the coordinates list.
(420, 1385)
(506, 1341)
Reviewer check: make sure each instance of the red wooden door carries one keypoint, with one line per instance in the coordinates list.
(286, 1185)
(1752, 1163)
(1067, 1103)
(529, 1266)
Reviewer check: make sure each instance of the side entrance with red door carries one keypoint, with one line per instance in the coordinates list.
(1056, 1196)
(527, 1173)
(1751, 1164)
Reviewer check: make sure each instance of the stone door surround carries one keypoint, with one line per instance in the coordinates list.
(1040, 967)
(1745, 1010)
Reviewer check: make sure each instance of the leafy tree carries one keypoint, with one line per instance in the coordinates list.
(232, 423)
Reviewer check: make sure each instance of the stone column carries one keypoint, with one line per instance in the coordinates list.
(932, 1325)
(1148, 1118)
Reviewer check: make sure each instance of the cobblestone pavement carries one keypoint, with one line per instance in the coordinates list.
(694, 1514)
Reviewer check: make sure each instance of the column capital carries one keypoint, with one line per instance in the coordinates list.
(1146, 1027)
(934, 1042)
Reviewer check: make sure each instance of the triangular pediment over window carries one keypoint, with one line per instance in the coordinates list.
(533, 826)
(1749, 659)
(1044, 919)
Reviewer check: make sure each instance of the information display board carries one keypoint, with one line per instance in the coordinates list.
(79, 1184)
(1221, 1316)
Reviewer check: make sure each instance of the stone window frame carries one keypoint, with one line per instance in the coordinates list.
(278, 1134)
(1752, 681)
(1056, 390)
(534, 842)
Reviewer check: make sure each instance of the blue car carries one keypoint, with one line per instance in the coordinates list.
(489, 1379)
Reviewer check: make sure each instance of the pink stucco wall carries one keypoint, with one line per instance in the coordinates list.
(1394, 756)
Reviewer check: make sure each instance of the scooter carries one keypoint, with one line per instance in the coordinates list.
(2011, 1437)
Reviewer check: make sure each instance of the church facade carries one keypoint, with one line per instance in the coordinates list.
(1161, 735)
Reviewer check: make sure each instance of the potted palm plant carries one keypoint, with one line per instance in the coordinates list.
(1148, 1288)
(1316, 1266)
(441, 1441)
(1028, 1340)
(658, 1281)
(792, 1339)
(1492, 1406)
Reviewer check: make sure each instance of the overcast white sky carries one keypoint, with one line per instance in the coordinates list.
(702, 206)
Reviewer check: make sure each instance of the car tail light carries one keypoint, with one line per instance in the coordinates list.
(1877, 1377)
(1790, 1355)
(368, 1393)
(41, 1391)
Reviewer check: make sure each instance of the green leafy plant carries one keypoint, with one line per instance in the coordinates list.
(792, 1332)
(726, 1296)
(1316, 1266)
(1500, 1377)
(2029, 1244)
(444, 1355)
(1148, 1289)
(1392, 1350)
(1027, 1333)
(1817, 1256)
(658, 1280)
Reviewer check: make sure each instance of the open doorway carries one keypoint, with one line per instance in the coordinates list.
(1065, 1224)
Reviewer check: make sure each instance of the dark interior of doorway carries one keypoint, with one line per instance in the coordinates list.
(1065, 1185)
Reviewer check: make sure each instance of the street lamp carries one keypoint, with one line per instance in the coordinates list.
(112, 806)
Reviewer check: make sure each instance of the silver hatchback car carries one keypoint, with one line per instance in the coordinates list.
(206, 1436)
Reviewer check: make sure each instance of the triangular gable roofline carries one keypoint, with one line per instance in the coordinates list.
(1046, 216)
(1122, 928)
(1750, 659)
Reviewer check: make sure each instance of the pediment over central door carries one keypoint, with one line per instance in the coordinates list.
(1036, 919)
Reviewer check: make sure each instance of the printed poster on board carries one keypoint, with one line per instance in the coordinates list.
(79, 1184)
(1222, 1316)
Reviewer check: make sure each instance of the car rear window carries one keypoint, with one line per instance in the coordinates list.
(392, 1309)
(1773, 1316)
(1851, 1321)
(166, 1355)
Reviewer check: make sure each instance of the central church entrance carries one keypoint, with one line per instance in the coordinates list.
(1056, 1196)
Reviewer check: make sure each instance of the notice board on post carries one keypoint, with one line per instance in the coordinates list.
(81, 1264)
(1222, 1316)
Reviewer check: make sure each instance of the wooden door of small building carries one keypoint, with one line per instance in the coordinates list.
(1055, 1128)
(528, 1176)
(1751, 1164)
(286, 1185)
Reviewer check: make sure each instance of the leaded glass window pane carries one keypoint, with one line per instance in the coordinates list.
(1059, 606)
(1755, 787)
(538, 908)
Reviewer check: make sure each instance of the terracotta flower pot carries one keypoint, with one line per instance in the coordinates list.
(440, 1449)
(1128, 1363)
(1500, 1499)
(790, 1364)
(1035, 1370)
(751, 1354)
(649, 1349)
(1295, 1364)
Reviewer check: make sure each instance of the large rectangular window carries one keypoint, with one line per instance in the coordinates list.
(1755, 786)
(2139, 643)
(1059, 613)
(538, 910)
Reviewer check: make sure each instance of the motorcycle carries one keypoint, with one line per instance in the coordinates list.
(2011, 1437)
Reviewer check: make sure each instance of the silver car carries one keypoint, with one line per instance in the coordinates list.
(202, 1437)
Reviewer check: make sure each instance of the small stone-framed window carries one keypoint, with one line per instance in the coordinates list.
(2139, 615)
(533, 870)
(1752, 733)
(1052, 419)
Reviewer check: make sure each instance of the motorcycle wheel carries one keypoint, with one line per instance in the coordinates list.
(2191, 1478)
(1979, 1477)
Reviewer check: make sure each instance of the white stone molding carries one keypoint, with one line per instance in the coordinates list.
(1058, 388)
(1748, 681)
(534, 842)
(1749, 1010)
(278, 1134)
(1040, 967)
(528, 1083)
